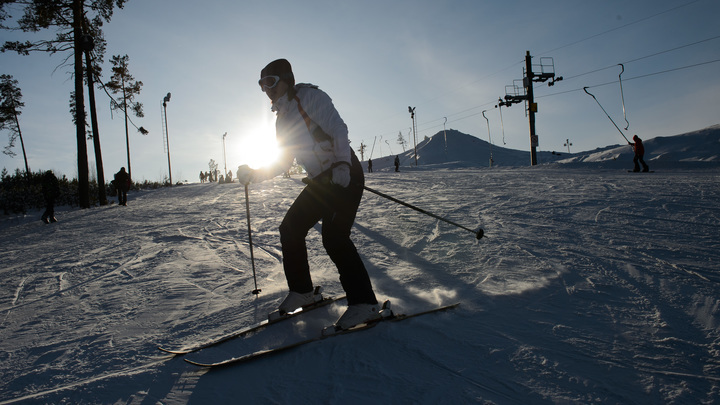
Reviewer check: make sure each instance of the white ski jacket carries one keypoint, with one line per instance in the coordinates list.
(310, 130)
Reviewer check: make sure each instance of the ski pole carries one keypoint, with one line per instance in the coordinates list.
(252, 257)
(608, 115)
(478, 233)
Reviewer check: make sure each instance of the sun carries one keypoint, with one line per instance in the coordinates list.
(259, 148)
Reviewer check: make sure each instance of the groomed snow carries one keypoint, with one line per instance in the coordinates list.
(592, 285)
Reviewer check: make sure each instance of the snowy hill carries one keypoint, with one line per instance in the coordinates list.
(453, 148)
(702, 146)
(592, 285)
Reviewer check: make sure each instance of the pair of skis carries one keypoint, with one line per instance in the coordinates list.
(252, 329)
(326, 333)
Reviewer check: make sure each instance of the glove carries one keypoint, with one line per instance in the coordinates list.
(341, 175)
(245, 174)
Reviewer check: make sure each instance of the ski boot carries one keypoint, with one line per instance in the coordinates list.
(363, 314)
(295, 301)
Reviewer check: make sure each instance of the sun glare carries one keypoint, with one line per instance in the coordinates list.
(259, 148)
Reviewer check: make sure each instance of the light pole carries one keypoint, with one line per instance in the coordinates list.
(411, 110)
(224, 159)
(167, 137)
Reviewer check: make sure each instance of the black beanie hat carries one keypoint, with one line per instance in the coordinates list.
(279, 67)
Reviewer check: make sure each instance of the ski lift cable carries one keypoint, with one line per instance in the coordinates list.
(576, 42)
(631, 78)
(589, 87)
(425, 126)
(673, 49)
(566, 78)
(620, 27)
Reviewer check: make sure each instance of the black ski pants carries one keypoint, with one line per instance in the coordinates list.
(639, 158)
(336, 207)
(49, 213)
(122, 196)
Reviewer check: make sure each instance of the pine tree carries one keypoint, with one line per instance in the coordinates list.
(401, 140)
(10, 105)
(213, 170)
(124, 84)
(66, 19)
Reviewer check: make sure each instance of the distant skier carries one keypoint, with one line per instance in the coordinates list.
(369, 165)
(310, 130)
(50, 190)
(397, 163)
(122, 184)
(639, 153)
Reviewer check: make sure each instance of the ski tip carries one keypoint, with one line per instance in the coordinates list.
(195, 363)
(171, 351)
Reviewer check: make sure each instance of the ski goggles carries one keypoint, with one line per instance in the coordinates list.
(268, 82)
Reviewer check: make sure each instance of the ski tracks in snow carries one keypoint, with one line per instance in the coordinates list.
(567, 299)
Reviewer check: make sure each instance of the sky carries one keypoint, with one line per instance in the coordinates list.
(451, 60)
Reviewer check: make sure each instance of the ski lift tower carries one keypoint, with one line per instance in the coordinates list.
(547, 72)
(513, 94)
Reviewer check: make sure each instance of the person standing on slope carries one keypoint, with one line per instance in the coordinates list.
(50, 191)
(639, 153)
(310, 130)
(122, 184)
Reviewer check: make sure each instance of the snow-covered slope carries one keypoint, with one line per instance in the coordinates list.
(591, 286)
(693, 149)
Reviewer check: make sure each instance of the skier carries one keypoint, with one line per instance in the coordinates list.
(122, 183)
(639, 152)
(310, 129)
(50, 190)
(369, 165)
(397, 163)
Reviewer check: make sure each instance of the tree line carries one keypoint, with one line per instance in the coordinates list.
(78, 32)
(21, 192)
